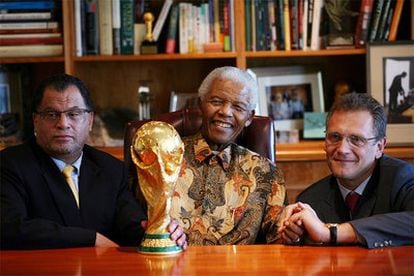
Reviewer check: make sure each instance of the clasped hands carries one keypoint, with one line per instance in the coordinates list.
(300, 220)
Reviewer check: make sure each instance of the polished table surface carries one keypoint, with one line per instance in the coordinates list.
(209, 260)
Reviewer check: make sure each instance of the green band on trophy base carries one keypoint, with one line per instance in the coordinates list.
(158, 244)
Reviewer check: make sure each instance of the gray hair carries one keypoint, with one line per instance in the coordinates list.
(234, 74)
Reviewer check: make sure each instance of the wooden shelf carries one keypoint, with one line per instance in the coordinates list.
(31, 60)
(306, 53)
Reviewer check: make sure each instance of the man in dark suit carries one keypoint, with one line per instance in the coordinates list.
(369, 198)
(92, 206)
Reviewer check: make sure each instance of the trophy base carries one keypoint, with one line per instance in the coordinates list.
(149, 47)
(159, 244)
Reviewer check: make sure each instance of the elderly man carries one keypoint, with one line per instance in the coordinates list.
(56, 191)
(227, 194)
(369, 198)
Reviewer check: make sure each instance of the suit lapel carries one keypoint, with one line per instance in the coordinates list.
(335, 204)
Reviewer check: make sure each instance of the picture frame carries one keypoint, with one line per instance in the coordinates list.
(179, 101)
(386, 64)
(294, 82)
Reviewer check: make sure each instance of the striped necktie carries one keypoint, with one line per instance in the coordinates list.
(67, 172)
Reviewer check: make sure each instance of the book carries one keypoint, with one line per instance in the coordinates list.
(161, 19)
(363, 23)
(253, 24)
(31, 40)
(27, 16)
(294, 24)
(395, 20)
(247, 25)
(30, 35)
(383, 20)
(182, 27)
(127, 27)
(272, 25)
(286, 24)
(315, 43)
(388, 21)
(91, 27)
(79, 35)
(29, 31)
(171, 42)
(116, 26)
(31, 50)
(27, 5)
(304, 40)
(29, 25)
(280, 29)
(105, 27)
(376, 16)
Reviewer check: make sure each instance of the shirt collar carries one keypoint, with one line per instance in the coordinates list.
(61, 164)
(359, 190)
(203, 153)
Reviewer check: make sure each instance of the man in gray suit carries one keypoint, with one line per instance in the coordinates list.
(92, 206)
(369, 198)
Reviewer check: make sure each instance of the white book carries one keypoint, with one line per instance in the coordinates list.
(116, 26)
(78, 28)
(29, 25)
(232, 29)
(182, 27)
(316, 24)
(161, 19)
(25, 16)
(31, 50)
(305, 25)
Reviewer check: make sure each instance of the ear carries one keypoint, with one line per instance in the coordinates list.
(91, 118)
(380, 147)
(250, 119)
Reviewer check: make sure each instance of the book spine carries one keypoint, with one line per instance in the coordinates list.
(33, 40)
(25, 16)
(310, 20)
(305, 25)
(383, 20)
(316, 24)
(31, 50)
(376, 19)
(29, 25)
(182, 21)
(388, 22)
(27, 5)
(363, 23)
(116, 26)
(259, 26)
(78, 28)
(272, 25)
(161, 19)
(395, 20)
(286, 24)
(105, 27)
(248, 26)
(294, 23)
(253, 24)
(280, 29)
(172, 30)
(127, 27)
(91, 27)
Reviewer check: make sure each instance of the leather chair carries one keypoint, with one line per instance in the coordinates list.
(258, 137)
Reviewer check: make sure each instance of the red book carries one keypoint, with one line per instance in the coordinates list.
(363, 23)
(31, 40)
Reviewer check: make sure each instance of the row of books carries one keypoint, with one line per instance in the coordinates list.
(319, 24)
(30, 28)
(115, 27)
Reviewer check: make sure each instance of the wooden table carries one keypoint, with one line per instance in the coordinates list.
(209, 260)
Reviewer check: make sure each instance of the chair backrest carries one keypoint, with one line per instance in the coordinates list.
(258, 137)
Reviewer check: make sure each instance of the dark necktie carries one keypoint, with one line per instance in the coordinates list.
(351, 201)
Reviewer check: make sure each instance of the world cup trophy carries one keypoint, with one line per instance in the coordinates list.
(157, 151)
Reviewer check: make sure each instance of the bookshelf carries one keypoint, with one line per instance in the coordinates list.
(113, 80)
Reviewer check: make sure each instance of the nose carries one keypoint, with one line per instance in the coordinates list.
(63, 121)
(226, 108)
(344, 145)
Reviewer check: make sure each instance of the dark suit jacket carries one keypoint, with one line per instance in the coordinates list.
(385, 215)
(38, 209)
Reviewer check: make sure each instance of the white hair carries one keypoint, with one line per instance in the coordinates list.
(234, 74)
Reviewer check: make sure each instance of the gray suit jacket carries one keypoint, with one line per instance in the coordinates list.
(38, 209)
(385, 214)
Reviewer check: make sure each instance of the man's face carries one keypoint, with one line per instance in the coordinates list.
(62, 135)
(351, 163)
(225, 112)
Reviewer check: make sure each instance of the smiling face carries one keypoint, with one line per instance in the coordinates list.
(226, 112)
(349, 163)
(63, 137)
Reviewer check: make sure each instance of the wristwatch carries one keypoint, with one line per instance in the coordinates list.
(333, 230)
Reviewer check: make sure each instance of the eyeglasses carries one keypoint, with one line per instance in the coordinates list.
(333, 138)
(74, 115)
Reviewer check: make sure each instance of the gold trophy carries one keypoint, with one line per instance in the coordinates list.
(157, 151)
(148, 45)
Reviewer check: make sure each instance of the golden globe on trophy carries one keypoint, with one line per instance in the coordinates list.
(157, 151)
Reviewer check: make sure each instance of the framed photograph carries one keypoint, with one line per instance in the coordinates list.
(180, 101)
(286, 93)
(390, 77)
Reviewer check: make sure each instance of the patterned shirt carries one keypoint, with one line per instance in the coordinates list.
(227, 197)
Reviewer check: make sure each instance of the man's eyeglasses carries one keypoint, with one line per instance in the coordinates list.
(333, 138)
(74, 115)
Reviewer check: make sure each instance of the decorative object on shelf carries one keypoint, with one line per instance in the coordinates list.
(314, 125)
(390, 77)
(149, 46)
(285, 93)
(144, 103)
(180, 101)
(157, 152)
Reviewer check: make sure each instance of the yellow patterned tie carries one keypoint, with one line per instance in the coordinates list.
(67, 172)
